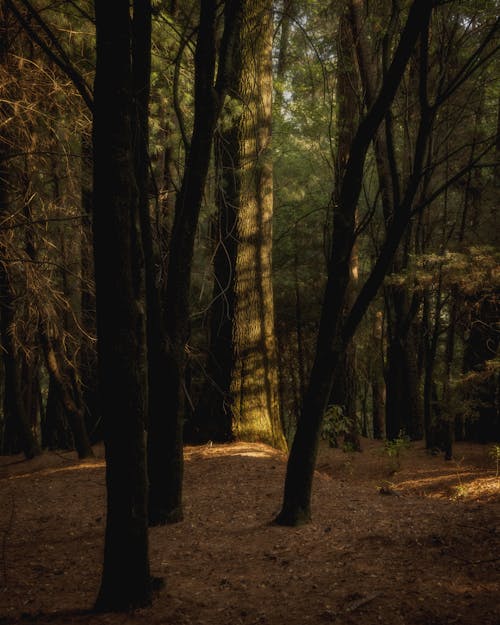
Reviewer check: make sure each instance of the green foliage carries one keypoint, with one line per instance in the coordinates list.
(394, 449)
(494, 453)
(335, 425)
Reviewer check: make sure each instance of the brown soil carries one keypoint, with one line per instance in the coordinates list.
(418, 546)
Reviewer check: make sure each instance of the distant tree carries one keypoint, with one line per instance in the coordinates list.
(19, 431)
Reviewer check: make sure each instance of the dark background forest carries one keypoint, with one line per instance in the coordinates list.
(265, 222)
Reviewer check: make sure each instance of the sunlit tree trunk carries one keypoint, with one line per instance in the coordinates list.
(254, 384)
(241, 397)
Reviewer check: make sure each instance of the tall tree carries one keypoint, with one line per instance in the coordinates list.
(120, 299)
(343, 387)
(241, 393)
(165, 431)
(335, 330)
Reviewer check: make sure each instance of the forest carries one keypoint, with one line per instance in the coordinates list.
(268, 226)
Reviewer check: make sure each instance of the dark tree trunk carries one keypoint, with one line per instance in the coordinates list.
(87, 355)
(165, 434)
(213, 415)
(377, 379)
(403, 405)
(121, 324)
(344, 382)
(55, 430)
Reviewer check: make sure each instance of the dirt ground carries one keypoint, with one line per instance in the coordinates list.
(417, 544)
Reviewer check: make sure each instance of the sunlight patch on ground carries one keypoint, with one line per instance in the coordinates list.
(463, 485)
(253, 450)
(96, 464)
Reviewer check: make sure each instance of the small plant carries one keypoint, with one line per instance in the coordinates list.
(335, 425)
(394, 448)
(494, 453)
(461, 490)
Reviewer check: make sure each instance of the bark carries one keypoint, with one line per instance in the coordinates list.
(254, 380)
(165, 440)
(121, 327)
(213, 415)
(243, 363)
(87, 360)
(377, 379)
(403, 405)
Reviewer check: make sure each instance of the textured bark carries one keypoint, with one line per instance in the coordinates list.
(121, 332)
(241, 397)
(254, 385)
(165, 439)
(87, 360)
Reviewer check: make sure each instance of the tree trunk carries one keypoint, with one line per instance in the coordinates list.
(403, 406)
(121, 328)
(344, 383)
(377, 379)
(243, 362)
(165, 432)
(254, 383)
(87, 360)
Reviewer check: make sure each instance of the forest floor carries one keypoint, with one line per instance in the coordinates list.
(417, 544)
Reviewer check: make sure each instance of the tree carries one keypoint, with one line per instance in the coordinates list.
(334, 332)
(240, 398)
(165, 439)
(13, 406)
(120, 298)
